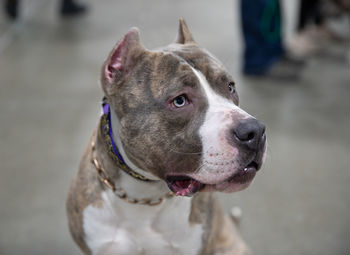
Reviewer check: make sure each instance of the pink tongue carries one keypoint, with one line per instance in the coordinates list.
(184, 188)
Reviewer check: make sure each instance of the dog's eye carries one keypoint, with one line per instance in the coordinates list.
(231, 87)
(180, 101)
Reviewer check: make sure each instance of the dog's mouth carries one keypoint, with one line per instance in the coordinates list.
(183, 185)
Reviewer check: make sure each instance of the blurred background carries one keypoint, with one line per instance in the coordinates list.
(50, 99)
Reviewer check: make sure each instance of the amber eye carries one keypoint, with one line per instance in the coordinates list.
(231, 87)
(180, 101)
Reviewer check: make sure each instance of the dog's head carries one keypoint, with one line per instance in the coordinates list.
(179, 115)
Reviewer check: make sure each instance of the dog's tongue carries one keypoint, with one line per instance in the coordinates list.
(185, 187)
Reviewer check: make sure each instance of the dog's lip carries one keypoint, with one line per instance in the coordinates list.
(246, 174)
(184, 185)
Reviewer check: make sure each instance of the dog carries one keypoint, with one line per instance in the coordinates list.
(171, 134)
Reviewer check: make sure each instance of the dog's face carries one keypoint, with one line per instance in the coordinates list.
(179, 115)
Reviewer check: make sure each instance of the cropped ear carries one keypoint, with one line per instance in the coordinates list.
(121, 60)
(183, 34)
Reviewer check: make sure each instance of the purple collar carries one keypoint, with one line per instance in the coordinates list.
(106, 110)
(107, 133)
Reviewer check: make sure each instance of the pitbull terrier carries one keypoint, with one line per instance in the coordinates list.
(171, 132)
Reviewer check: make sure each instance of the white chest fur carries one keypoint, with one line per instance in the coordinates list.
(122, 228)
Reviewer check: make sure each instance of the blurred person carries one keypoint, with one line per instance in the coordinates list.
(312, 30)
(67, 8)
(264, 53)
(310, 26)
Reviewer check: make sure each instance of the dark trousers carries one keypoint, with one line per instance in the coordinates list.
(310, 12)
(261, 26)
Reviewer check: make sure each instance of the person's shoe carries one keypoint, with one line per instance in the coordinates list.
(72, 9)
(302, 45)
(11, 8)
(287, 69)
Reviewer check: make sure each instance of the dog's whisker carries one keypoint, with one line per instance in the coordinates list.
(200, 167)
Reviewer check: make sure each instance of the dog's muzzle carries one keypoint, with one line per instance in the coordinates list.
(250, 138)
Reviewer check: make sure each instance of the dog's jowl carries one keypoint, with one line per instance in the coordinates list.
(170, 134)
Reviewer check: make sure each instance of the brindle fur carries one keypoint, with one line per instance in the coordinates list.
(220, 236)
(154, 139)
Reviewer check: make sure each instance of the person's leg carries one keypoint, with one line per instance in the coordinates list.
(309, 11)
(69, 7)
(304, 13)
(11, 8)
(318, 15)
(261, 25)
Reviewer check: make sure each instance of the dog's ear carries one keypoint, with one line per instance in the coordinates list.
(183, 34)
(121, 60)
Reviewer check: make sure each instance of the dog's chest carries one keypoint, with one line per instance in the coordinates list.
(121, 228)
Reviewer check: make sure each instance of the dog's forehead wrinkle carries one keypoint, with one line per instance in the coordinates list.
(161, 71)
(173, 67)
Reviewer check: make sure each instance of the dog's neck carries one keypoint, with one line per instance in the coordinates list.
(134, 187)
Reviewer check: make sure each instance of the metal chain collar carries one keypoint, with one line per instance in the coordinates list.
(119, 192)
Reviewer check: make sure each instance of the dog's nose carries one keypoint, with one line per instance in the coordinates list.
(250, 133)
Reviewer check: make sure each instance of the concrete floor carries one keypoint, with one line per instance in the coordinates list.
(49, 103)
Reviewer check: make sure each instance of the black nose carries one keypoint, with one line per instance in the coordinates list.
(250, 133)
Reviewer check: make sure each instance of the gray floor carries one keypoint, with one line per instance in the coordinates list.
(49, 103)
